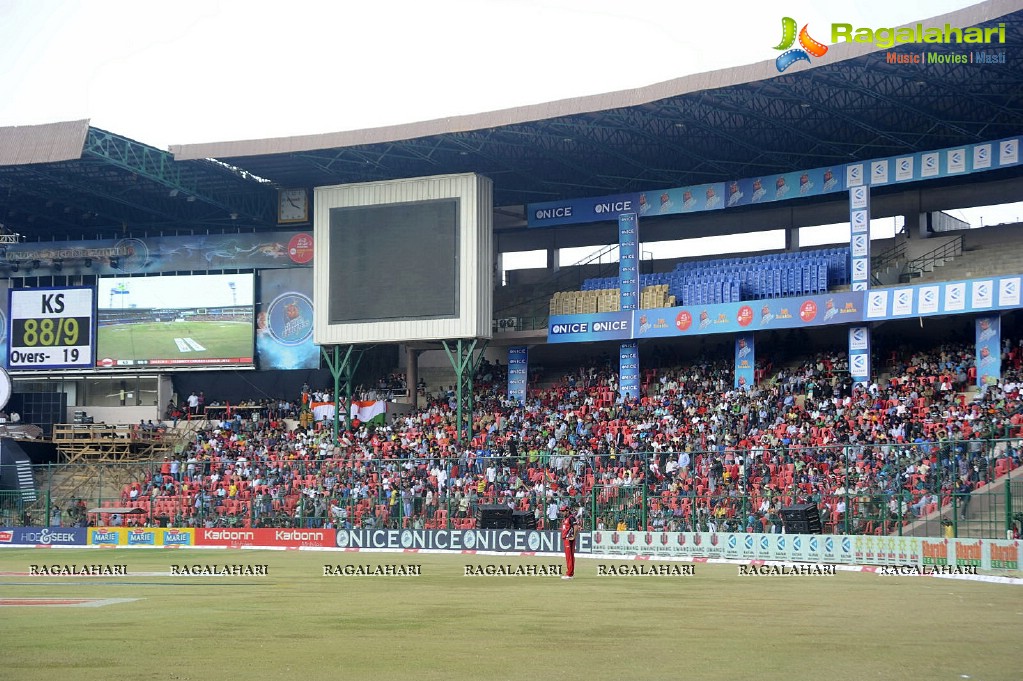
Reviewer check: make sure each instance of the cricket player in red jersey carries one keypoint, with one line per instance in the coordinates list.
(568, 532)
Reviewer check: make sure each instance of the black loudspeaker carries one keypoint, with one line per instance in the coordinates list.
(494, 518)
(524, 520)
(801, 519)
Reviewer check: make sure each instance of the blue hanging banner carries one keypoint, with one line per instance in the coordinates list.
(859, 354)
(518, 372)
(578, 211)
(989, 351)
(628, 370)
(628, 274)
(628, 260)
(859, 236)
(744, 360)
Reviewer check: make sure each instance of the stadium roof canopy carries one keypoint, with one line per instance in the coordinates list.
(740, 122)
(70, 180)
(852, 104)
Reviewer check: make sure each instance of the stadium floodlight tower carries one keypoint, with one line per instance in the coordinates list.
(404, 261)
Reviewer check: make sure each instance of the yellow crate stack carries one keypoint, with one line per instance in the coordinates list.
(607, 300)
(655, 296)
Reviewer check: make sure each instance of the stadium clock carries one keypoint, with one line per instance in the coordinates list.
(50, 328)
(292, 205)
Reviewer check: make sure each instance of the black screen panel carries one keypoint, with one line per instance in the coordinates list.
(394, 262)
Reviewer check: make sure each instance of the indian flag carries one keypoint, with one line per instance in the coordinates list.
(370, 412)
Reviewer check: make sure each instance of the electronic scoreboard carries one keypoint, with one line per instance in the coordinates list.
(51, 328)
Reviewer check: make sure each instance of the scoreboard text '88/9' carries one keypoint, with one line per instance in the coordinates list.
(51, 328)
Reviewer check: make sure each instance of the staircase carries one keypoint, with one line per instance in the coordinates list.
(26, 483)
(13, 459)
(884, 264)
(1006, 258)
(532, 302)
(931, 260)
(985, 514)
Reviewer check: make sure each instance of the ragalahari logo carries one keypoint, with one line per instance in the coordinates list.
(808, 46)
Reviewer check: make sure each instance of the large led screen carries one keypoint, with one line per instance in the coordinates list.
(394, 262)
(182, 321)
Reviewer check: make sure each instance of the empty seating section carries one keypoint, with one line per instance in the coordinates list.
(728, 280)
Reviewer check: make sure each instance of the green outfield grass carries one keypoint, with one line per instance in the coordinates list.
(296, 623)
(155, 340)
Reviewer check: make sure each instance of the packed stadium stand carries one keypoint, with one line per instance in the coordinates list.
(914, 439)
(692, 453)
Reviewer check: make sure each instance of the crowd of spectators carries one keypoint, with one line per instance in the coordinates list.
(691, 453)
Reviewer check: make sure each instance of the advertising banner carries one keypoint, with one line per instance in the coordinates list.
(284, 320)
(1001, 554)
(42, 536)
(859, 354)
(159, 536)
(887, 550)
(859, 236)
(989, 350)
(518, 372)
(696, 198)
(776, 313)
(949, 297)
(867, 550)
(725, 545)
(578, 211)
(628, 370)
(513, 541)
(283, 537)
(928, 165)
(592, 327)
(628, 260)
(170, 536)
(141, 536)
(200, 252)
(744, 360)
(108, 536)
(852, 307)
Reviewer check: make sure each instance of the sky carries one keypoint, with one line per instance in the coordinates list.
(189, 71)
(209, 290)
(185, 72)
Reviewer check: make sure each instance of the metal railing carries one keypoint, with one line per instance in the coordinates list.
(859, 489)
(916, 267)
(566, 279)
(890, 257)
